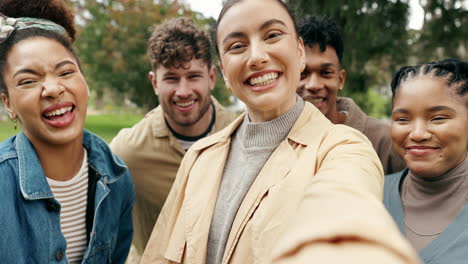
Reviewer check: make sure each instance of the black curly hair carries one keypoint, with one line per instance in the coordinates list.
(454, 71)
(54, 10)
(322, 31)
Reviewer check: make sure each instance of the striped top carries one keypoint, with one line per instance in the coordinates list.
(72, 196)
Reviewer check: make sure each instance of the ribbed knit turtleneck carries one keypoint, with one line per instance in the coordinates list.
(431, 204)
(251, 146)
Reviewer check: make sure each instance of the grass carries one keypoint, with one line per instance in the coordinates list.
(105, 126)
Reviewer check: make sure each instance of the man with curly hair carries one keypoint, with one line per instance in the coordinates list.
(324, 77)
(183, 77)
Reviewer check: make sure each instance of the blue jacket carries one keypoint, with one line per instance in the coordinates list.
(450, 247)
(30, 216)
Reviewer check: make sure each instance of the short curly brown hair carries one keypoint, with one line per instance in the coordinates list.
(178, 41)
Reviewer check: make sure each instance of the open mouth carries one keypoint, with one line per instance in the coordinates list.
(58, 113)
(263, 80)
(185, 104)
(316, 101)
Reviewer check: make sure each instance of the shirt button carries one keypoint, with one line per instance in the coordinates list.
(59, 255)
(51, 206)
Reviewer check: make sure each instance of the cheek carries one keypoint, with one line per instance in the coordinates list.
(398, 133)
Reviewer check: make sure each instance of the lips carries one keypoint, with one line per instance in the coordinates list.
(59, 115)
(421, 150)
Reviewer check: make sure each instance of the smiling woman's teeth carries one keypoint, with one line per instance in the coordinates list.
(264, 80)
(58, 112)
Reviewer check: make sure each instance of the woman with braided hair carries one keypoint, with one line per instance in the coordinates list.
(430, 132)
(65, 197)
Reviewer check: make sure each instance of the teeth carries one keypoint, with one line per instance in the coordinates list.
(60, 111)
(315, 100)
(264, 80)
(185, 104)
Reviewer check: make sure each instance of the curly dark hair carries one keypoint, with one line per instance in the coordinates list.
(454, 71)
(322, 30)
(178, 41)
(54, 10)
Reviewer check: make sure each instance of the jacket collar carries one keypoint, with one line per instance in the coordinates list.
(33, 182)
(297, 133)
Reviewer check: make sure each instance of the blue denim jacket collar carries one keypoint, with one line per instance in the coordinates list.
(33, 182)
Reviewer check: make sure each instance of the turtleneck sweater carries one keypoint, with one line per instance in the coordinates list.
(431, 204)
(251, 146)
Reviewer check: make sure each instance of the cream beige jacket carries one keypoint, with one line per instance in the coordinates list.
(337, 159)
(153, 155)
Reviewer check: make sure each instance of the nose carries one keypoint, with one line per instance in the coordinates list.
(310, 84)
(52, 89)
(420, 132)
(183, 90)
(258, 55)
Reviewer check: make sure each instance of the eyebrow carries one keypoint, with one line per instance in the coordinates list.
(441, 108)
(262, 27)
(328, 65)
(61, 64)
(431, 109)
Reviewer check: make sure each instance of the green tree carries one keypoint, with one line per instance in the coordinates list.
(444, 33)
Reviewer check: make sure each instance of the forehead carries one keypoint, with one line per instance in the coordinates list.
(249, 14)
(314, 56)
(35, 52)
(196, 65)
(426, 90)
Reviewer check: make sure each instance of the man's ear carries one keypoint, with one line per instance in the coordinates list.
(342, 78)
(152, 77)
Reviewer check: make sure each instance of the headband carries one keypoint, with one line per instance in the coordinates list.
(8, 25)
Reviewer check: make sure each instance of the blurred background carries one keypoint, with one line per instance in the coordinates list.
(380, 36)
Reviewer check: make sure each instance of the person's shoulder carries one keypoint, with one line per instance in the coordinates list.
(377, 124)
(136, 136)
(8, 149)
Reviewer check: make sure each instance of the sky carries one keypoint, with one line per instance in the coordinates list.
(211, 8)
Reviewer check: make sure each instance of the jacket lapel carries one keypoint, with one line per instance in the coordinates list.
(202, 190)
(276, 168)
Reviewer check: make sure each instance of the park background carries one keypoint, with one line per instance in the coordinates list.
(380, 36)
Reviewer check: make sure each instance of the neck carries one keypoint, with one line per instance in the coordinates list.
(336, 117)
(61, 162)
(193, 130)
(265, 115)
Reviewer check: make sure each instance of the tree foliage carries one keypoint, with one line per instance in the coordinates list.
(444, 33)
(112, 46)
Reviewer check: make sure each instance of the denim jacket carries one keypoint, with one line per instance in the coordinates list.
(30, 216)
